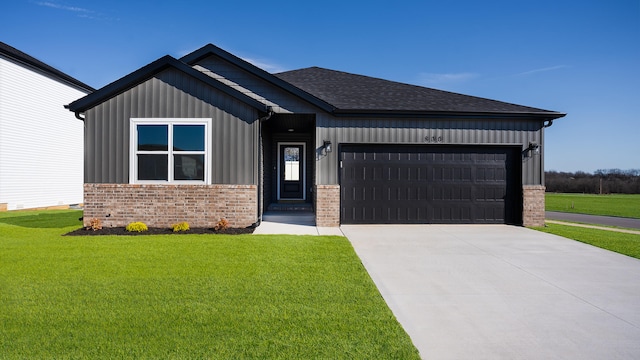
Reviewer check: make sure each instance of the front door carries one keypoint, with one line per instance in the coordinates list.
(291, 173)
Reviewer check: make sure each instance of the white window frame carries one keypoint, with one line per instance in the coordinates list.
(170, 122)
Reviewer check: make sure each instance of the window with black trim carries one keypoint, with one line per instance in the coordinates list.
(170, 150)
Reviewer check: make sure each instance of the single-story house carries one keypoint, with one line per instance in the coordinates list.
(211, 136)
(41, 143)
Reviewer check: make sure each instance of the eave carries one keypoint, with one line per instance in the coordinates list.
(148, 71)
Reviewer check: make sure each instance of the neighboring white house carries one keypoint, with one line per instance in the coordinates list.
(41, 143)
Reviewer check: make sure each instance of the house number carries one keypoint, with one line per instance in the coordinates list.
(433, 139)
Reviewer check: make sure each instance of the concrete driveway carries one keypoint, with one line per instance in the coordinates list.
(503, 292)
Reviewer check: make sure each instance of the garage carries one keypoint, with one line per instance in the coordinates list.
(430, 184)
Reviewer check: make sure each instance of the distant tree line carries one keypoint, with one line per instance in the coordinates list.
(604, 181)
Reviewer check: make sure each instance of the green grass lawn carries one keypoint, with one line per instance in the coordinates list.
(186, 296)
(623, 243)
(621, 205)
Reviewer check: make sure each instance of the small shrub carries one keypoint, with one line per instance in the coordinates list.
(137, 227)
(94, 224)
(181, 226)
(223, 224)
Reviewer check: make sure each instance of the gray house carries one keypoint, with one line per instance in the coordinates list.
(211, 136)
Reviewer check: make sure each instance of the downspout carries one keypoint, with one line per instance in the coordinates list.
(261, 165)
(545, 124)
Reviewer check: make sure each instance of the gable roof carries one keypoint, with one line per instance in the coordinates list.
(354, 94)
(23, 58)
(339, 93)
(147, 72)
(210, 49)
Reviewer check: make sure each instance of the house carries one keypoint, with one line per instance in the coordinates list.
(41, 144)
(211, 136)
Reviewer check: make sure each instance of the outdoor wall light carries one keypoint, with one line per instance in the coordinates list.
(327, 146)
(534, 147)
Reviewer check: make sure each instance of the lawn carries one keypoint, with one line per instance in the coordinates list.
(186, 296)
(623, 243)
(610, 205)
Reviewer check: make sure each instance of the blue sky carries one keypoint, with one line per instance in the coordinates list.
(577, 57)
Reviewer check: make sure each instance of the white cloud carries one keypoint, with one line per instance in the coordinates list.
(75, 9)
(448, 78)
(78, 11)
(550, 68)
(265, 65)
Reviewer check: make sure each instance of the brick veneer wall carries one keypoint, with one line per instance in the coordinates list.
(533, 205)
(327, 204)
(164, 205)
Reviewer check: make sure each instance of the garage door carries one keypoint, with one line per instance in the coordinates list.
(390, 184)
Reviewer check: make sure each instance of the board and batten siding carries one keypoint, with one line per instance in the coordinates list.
(286, 102)
(415, 131)
(41, 143)
(171, 94)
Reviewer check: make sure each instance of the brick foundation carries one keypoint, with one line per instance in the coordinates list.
(164, 205)
(3, 206)
(327, 204)
(533, 205)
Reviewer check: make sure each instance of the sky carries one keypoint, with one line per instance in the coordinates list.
(581, 58)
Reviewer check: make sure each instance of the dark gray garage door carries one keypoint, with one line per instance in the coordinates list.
(391, 184)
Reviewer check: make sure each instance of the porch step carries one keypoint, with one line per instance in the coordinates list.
(302, 207)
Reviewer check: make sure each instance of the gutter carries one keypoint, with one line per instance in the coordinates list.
(77, 113)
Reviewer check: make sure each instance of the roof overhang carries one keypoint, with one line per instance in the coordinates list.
(148, 71)
(541, 116)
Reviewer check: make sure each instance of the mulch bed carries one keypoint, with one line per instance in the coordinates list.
(158, 231)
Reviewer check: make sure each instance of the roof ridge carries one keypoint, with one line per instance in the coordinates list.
(359, 91)
(31, 61)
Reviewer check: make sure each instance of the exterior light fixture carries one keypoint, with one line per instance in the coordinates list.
(534, 147)
(327, 146)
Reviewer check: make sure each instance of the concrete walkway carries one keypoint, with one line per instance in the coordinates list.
(293, 223)
(503, 292)
(594, 219)
(636, 232)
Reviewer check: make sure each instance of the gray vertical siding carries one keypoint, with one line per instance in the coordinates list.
(172, 95)
(287, 102)
(341, 130)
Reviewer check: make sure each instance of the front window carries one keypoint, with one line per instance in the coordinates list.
(170, 150)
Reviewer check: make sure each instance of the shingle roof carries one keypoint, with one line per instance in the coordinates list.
(19, 56)
(357, 93)
(148, 71)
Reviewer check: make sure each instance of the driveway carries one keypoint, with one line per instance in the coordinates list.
(503, 292)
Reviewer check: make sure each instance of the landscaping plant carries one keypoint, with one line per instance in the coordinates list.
(137, 227)
(181, 226)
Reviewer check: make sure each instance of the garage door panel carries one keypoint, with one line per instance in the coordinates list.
(425, 184)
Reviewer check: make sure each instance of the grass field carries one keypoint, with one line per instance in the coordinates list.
(610, 205)
(186, 296)
(627, 244)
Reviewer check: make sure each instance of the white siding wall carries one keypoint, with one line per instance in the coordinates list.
(41, 143)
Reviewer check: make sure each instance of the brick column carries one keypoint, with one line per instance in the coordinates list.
(3, 206)
(327, 201)
(533, 205)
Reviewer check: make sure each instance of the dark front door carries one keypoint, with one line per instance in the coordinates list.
(291, 176)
